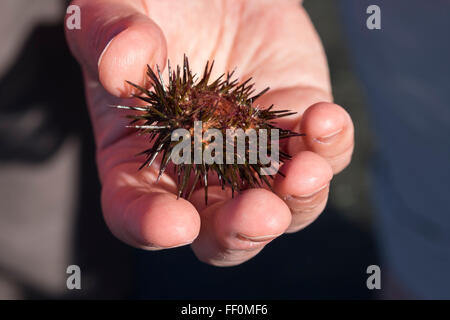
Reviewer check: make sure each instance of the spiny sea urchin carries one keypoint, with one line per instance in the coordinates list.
(223, 107)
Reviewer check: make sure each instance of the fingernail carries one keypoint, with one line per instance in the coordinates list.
(103, 52)
(258, 238)
(108, 38)
(305, 196)
(328, 138)
(180, 245)
(172, 247)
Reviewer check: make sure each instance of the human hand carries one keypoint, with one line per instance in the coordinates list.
(272, 41)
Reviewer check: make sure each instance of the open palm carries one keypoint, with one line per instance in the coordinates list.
(271, 41)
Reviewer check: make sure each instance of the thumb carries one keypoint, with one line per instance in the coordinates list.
(116, 42)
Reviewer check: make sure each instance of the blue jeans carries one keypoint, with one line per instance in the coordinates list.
(405, 69)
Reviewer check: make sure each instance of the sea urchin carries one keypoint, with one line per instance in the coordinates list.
(201, 114)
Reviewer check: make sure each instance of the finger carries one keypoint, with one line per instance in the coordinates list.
(137, 209)
(115, 43)
(304, 188)
(296, 99)
(145, 214)
(329, 133)
(235, 230)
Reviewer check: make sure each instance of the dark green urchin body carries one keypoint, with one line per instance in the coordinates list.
(223, 104)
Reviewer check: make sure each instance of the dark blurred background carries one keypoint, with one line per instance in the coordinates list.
(45, 137)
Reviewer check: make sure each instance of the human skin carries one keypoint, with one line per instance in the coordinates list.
(272, 41)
